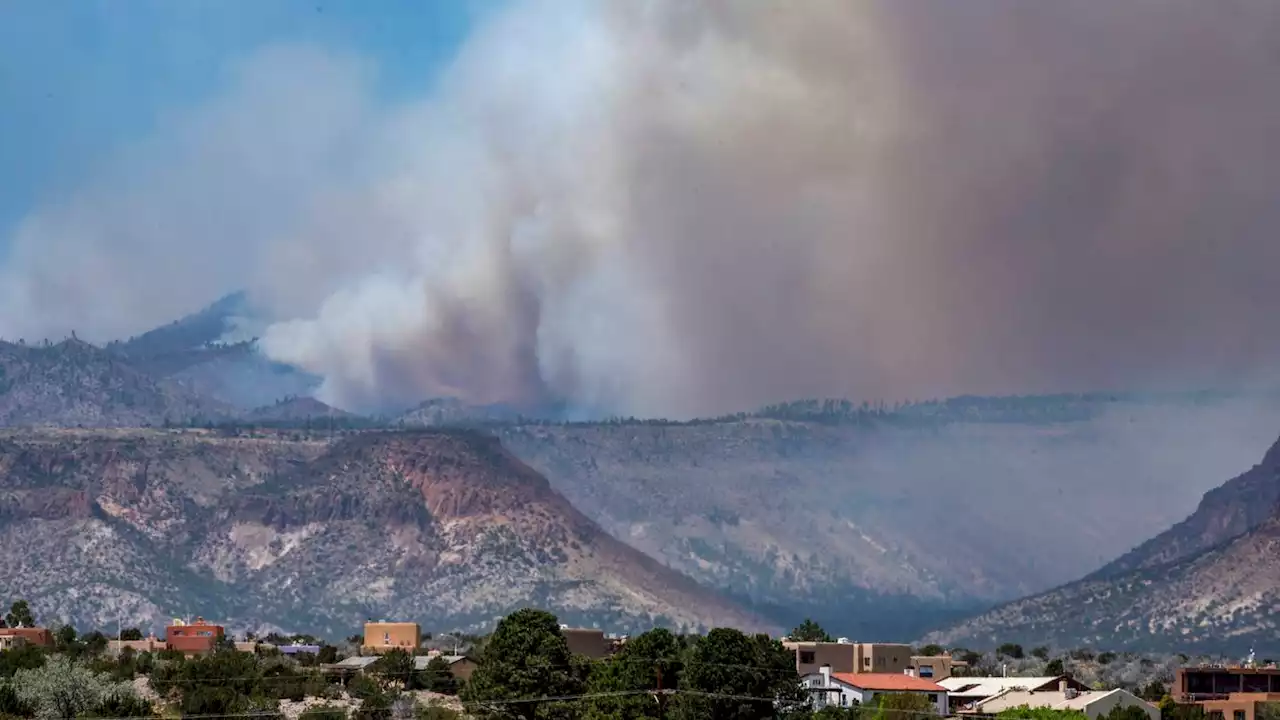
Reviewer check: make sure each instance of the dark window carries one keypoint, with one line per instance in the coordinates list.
(866, 662)
(933, 698)
(926, 671)
(1238, 715)
(806, 657)
(1199, 683)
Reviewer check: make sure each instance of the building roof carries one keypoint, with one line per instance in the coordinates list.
(888, 682)
(420, 662)
(358, 662)
(296, 649)
(1054, 699)
(985, 687)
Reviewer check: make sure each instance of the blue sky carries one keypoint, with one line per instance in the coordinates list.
(80, 78)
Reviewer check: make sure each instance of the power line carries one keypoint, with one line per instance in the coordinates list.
(555, 698)
(303, 672)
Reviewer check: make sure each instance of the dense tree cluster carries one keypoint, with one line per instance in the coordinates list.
(19, 615)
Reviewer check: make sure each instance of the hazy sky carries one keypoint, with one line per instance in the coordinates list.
(665, 207)
(81, 80)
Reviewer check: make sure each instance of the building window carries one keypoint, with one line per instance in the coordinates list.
(933, 698)
(386, 638)
(1238, 715)
(926, 671)
(806, 657)
(844, 700)
(866, 662)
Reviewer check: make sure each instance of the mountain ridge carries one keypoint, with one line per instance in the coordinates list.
(1225, 512)
(1210, 582)
(268, 531)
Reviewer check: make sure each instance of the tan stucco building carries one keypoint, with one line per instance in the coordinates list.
(844, 657)
(379, 637)
(1227, 693)
(151, 643)
(589, 642)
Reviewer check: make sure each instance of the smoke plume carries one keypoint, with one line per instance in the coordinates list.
(676, 208)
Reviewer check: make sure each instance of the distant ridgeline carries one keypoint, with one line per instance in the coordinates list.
(1012, 409)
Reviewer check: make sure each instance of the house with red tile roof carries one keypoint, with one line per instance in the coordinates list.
(850, 689)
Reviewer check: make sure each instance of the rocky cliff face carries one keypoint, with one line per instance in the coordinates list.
(1211, 582)
(443, 527)
(1226, 512)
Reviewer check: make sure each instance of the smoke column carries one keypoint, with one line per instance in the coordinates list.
(677, 208)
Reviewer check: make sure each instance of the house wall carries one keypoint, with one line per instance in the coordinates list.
(811, 656)
(833, 692)
(462, 669)
(939, 700)
(151, 644)
(1111, 701)
(193, 639)
(9, 642)
(1238, 706)
(586, 641)
(33, 635)
(881, 658)
(380, 637)
(936, 667)
(830, 693)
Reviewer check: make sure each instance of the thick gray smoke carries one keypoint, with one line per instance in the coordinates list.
(675, 207)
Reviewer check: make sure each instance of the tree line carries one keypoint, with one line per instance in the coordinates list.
(525, 670)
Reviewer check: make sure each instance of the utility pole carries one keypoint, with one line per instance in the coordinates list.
(660, 695)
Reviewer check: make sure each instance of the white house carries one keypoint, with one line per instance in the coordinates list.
(849, 689)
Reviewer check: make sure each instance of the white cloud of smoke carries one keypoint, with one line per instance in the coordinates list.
(677, 208)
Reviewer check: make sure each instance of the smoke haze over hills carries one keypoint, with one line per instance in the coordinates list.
(684, 208)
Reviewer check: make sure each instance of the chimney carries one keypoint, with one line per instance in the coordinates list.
(1062, 686)
(826, 674)
(910, 672)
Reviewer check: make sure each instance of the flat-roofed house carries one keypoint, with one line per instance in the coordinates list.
(1227, 692)
(30, 635)
(379, 637)
(590, 642)
(850, 657)
(197, 638)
